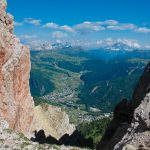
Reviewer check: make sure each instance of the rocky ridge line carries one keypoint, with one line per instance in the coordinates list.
(130, 126)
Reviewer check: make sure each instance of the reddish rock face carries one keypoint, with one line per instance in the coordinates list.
(16, 103)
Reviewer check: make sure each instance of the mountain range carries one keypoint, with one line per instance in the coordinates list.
(107, 45)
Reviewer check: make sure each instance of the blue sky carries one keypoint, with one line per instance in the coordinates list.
(82, 20)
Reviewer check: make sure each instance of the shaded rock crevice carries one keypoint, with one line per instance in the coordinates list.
(75, 139)
(131, 122)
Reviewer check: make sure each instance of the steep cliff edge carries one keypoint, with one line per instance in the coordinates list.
(142, 88)
(130, 126)
(16, 103)
(138, 134)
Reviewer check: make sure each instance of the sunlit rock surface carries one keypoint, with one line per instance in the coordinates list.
(53, 121)
(16, 103)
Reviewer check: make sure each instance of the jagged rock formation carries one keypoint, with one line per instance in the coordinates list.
(138, 134)
(142, 88)
(55, 122)
(10, 140)
(130, 126)
(16, 103)
(53, 127)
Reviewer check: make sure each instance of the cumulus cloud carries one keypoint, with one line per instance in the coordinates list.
(142, 30)
(128, 26)
(109, 22)
(59, 35)
(51, 25)
(84, 27)
(32, 21)
(67, 28)
(87, 27)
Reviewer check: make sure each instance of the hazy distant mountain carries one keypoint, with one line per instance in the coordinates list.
(115, 45)
(120, 46)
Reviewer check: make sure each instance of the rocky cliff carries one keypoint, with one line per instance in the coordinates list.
(55, 122)
(10, 140)
(16, 103)
(130, 127)
(138, 133)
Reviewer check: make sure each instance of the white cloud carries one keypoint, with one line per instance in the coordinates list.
(84, 27)
(51, 25)
(18, 23)
(59, 35)
(87, 27)
(67, 28)
(109, 22)
(32, 21)
(143, 30)
(128, 26)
